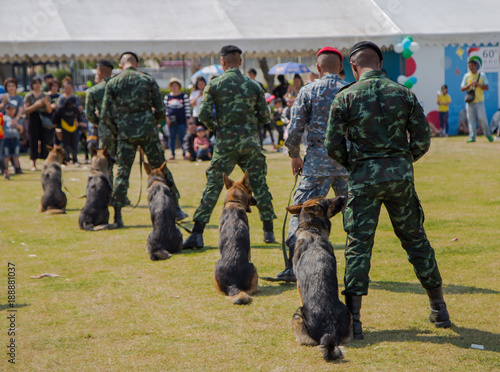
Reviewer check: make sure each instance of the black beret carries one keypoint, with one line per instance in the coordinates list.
(229, 49)
(105, 63)
(131, 53)
(364, 45)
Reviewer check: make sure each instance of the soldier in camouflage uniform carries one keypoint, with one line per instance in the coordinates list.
(93, 109)
(240, 107)
(132, 107)
(388, 131)
(319, 172)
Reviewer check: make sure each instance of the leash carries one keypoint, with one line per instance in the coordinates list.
(69, 192)
(283, 245)
(141, 162)
(185, 228)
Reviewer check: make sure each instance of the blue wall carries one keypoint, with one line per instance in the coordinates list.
(454, 64)
(391, 65)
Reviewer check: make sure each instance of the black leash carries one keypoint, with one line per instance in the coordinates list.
(141, 162)
(185, 228)
(283, 245)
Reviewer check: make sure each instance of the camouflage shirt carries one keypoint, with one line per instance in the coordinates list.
(128, 102)
(93, 101)
(310, 110)
(386, 126)
(240, 106)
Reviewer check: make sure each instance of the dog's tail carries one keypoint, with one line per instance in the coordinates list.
(330, 348)
(239, 297)
(55, 211)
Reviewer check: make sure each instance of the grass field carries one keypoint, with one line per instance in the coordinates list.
(113, 309)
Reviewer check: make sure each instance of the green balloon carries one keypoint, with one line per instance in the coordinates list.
(408, 84)
(406, 53)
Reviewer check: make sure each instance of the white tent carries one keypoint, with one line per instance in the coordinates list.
(43, 30)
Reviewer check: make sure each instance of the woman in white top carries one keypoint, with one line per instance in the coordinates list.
(196, 95)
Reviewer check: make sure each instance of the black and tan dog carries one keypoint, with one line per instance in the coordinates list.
(165, 238)
(94, 215)
(234, 275)
(322, 319)
(54, 199)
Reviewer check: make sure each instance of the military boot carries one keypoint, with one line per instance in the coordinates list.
(118, 217)
(268, 228)
(288, 275)
(195, 240)
(353, 303)
(439, 314)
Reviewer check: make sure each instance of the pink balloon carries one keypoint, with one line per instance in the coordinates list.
(411, 66)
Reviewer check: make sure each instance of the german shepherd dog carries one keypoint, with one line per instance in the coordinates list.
(95, 215)
(165, 238)
(234, 275)
(54, 199)
(322, 319)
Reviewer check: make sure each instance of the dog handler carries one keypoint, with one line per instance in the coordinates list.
(93, 108)
(127, 108)
(377, 114)
(319, 171)
(240, 107)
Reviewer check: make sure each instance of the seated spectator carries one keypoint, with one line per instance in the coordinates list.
(463, 123)
(495, 124)
(188, 143)
(202, 144)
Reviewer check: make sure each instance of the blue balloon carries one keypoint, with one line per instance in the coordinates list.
(406, 43)
(413, 79)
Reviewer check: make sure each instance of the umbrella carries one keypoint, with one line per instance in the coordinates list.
(207, 72)
(288, 68)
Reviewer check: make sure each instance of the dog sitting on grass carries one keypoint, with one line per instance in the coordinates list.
(94, 215)
(322, 319)
(234, 275)
(165, 238)
(54, 199)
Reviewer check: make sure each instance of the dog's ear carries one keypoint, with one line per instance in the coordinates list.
(253, 201)
(245, 180)
(294, 209)
(93, 150)
(148, 168)
(227, 181)
(162, 168)
(111, 159)
(48, 147)
(335, 205)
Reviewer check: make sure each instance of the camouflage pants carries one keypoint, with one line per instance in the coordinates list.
(310, 187)
(125, 159)
(407, 217)
(106, 138)
(224, 161)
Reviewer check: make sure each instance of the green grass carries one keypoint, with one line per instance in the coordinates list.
(113, 309)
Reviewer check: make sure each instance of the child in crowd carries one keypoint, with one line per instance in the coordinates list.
(188, 145)
(267, 127)
(277, 112)
(202, 144)
(287, 111)
(11, 133)
(443, 100)
(66, 121)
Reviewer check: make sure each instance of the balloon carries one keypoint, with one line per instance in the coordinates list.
(413, 80)
(89, 83)
(401, 79)
(408, 84)
(406, 42)
(414, 46)
(398, 48)
(406, 53)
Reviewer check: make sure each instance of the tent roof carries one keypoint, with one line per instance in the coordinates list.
(59, 29)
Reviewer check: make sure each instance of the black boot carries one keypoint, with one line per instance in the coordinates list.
(288, 275)
(268, 232)
(118, 217)
(439, 315)
(195, 240)
(353, 303)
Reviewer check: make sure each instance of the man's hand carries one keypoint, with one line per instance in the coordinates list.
(297, 165)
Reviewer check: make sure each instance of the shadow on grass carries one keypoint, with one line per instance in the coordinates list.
(126, 227)
(16, 306)
(461, 337)
(401, 287)
(266, 290)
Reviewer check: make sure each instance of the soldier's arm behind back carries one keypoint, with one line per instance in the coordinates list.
(206, 108)
(418, 128)
(262, 111)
